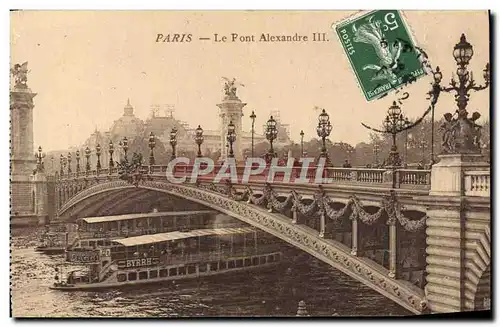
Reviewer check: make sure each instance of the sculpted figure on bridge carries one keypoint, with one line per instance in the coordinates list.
(20, 74)
(132, 171)
(230, 87)
(461, 134)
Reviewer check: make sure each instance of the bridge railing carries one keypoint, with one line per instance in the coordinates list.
(414, 176)
(405, 177)
(477, 183)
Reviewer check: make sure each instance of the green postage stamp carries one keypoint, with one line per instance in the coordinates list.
(381, 51)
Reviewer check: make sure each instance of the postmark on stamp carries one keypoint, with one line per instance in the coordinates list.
(381, 51)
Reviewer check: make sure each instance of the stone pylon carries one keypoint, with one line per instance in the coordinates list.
(458, 235)
(231, 110)
(22, 160)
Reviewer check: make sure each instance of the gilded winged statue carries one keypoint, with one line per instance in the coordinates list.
(230, 86)
(20, 74)
(388, 54)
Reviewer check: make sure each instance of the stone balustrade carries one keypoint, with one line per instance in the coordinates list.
(477, 183)
(406, 177)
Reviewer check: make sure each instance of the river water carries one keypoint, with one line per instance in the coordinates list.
(325, 290)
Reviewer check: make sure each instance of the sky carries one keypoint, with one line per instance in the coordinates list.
(84, 65)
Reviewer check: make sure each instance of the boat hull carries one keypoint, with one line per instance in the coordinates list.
(50, 250)
(114, 284)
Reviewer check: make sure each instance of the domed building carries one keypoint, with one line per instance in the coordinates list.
(131, 127)
(127, 125)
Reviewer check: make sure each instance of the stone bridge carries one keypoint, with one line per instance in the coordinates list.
(424, 243)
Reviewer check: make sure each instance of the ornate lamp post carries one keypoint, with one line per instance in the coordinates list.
(152, 144)
(407, 123)
(124, 145)
(271, 134)
(324, 129)
(111, 149)
(231, 138)
(77, 162)
(461, 133)
(423, 146)
(173, 141)
(301, 143)
(395, 122)
(253, 116)
(199, 139)
(349, 151)
(87, 156)
(62, 165)
(98, 154)
(39, 157)
(376, 149)
(69, 163)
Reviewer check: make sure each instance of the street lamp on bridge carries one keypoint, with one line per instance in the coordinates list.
(62, 165)
(423, 146)
(173, 141)
(231, 138)
(39, 157)
(69, 163)
(271, 135)
(349, 151)
(253, 116)
(376, 149)
(462, 134)
(323, 130)
(87, 156)
(124, 145)
(395, 122)
(77, 162)
(199, 139)
(407, 122)
(151, 144)
(301, 143)
(111, 149)
(98, 154)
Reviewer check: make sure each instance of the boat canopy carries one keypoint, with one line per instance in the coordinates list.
(162, 237)
(102, 219)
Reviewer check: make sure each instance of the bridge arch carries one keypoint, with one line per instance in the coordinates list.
(329, 251)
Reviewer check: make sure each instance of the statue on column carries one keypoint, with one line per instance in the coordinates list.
(230, 87)
(20, 74)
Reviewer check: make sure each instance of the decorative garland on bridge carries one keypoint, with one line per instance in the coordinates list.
(321, 205)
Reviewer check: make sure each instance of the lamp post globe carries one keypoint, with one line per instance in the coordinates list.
(231, 138)
(87, 156)
(199, 139)
(98, 154)
(111, 149)
(77, 156)
(271, 134)
(151, 144)
(173, 140)
(301, 143)
(323, 130)
(463, 51)
(253, 116)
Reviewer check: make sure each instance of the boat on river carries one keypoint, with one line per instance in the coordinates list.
(56, 237)
(170, 256)
(95, 232)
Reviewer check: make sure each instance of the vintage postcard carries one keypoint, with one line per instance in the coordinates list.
(170, 164)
